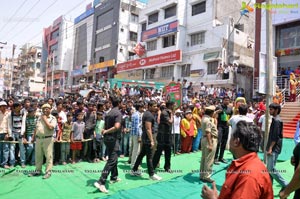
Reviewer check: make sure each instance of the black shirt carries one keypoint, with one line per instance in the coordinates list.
(112, 117)
(147, 117)
(224, 116)
(275, 134)
(164, 125)
(296, 154)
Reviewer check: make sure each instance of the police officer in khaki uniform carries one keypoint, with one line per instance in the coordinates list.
(208, 144)
(43, 135)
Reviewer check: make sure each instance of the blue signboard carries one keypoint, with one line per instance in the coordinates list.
(160, 30)
(84, 15)
(77, 72)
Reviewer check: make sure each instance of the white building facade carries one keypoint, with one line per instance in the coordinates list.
(188, 40)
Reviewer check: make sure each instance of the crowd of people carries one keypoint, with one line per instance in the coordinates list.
(126, 122)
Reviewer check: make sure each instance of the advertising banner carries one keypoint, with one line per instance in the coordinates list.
(160, 30)
(174, 93)
(174, 56)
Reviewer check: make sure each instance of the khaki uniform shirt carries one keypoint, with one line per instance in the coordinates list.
(209, 126)
(41, 127)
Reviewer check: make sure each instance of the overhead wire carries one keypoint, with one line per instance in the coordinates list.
(24, 17)
(26, 27)
(39, 33)
(18, 9)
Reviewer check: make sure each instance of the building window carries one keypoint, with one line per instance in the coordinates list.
(144, 26)
(133, 36)
(169, 40)
(54, 47)
(288, 35)
(131, 56)
(101, 59)
(186, 70)
(170, 12)
(198, 8)
(167, 71)
(134, 18)
(151, 45)
(150, 73)
(212, 67)
(55, 34)
(153, 18)
(197, 38)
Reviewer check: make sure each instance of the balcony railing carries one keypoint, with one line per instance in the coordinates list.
(283, 84)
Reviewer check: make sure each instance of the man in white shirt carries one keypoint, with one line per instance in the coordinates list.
(243, 109)
(4, 147)
(176, 131)
(262, 125)
(211, 90)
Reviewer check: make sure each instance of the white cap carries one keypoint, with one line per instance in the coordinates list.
(3, 103)
(178, 111)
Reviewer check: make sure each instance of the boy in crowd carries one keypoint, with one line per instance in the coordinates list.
(98, 137)
(65, 137)
(77, 135)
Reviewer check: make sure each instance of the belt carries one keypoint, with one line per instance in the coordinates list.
(43, 137)
(211, 136)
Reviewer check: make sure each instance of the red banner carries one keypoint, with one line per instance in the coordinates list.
(174, 56)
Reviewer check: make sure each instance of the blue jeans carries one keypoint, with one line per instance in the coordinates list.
(125, 144)
(196, 141)
(64, 151)
(30, 156)
(12, 147)
(271, 162)
(4, 151)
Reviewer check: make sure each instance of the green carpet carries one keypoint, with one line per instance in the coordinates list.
(76, 181)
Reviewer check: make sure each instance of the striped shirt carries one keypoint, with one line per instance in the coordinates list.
(16, 123)
(30, 124)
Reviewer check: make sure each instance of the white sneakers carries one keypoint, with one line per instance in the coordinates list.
(155, 177)
(101, 187)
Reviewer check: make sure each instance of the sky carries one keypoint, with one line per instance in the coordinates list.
(22, 21)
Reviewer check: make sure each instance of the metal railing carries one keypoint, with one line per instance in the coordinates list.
(283, 94)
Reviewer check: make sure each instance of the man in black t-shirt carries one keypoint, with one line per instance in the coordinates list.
(110, 133)
(164, 139)
(225, 113)
(294, 185)
(274, 144)
(148, 142)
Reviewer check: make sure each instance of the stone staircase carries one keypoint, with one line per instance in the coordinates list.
(290, 114)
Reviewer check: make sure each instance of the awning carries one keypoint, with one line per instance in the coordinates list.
(212, 56)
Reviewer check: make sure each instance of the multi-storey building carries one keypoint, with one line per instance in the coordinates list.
(114, 35)
(189, 39)
(10, 72)
(82, 46)
(57, 55)
(31, 84)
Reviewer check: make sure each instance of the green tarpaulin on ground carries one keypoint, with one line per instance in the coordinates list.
(76, 181)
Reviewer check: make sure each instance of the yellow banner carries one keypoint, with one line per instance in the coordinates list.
(105, 64)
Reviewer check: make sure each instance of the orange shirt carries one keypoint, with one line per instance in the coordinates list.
(247, 177)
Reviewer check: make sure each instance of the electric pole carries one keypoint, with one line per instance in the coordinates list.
(269, 69)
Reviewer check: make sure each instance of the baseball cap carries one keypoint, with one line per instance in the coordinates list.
(3, 103)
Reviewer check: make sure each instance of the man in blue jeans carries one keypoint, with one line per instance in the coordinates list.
(4, 150)
(274, 144)
(14, 126)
